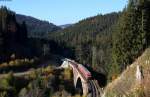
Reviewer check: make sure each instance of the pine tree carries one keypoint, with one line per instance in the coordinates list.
(94, 55)
(1, 38)
(23, 33)
(129, 38)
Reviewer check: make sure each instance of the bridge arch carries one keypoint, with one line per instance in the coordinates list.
(79, 86)
(79, 78)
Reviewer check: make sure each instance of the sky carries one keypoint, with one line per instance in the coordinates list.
(62, 12)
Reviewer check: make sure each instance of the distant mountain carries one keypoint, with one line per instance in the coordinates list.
(36, 27)
(65, 26)
(87, 28)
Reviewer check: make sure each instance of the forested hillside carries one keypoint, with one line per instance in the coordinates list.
(90, 40)
(132, 34)
(13, 36)
(37, 28)
(108, 43)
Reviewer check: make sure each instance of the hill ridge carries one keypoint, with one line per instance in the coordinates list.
(36, 27)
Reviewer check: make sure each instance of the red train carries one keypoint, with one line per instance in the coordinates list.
(84, 71)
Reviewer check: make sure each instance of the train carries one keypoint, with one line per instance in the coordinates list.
(84, 71)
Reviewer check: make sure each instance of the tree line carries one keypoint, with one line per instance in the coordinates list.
(14, 38)
(132, 33)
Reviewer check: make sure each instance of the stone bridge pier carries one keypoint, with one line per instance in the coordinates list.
(83, 82)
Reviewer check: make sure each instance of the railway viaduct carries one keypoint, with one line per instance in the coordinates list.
(77, 74)
(90, 87)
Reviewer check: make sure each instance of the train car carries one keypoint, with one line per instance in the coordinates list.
(85, 71)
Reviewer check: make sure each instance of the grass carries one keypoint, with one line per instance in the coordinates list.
(126, 85)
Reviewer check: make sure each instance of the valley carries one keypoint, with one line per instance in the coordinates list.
(106, 55)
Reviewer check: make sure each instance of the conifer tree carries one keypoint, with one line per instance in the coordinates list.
(130, 36)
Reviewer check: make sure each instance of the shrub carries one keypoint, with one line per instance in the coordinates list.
(23, 92)
(32, 61)
(3, 64)
(10, 77)
(77, 95)
(11, 63)
(3, 94)
(4, 83)
(13, 56)
(67, 74)
(49, 69)
(26, 60)
(32, 74)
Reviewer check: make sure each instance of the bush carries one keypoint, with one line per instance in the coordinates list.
(3, 94)
(23, 92)
(67, 74)
(32, 74)
(4, 83)
(49, 69)
(11, 63)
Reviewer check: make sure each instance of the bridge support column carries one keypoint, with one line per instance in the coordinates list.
(85, 88)
(75, 76)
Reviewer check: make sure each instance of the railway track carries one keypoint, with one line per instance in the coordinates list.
(94, 89)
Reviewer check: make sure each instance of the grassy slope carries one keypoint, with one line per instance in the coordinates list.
(126, 84)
